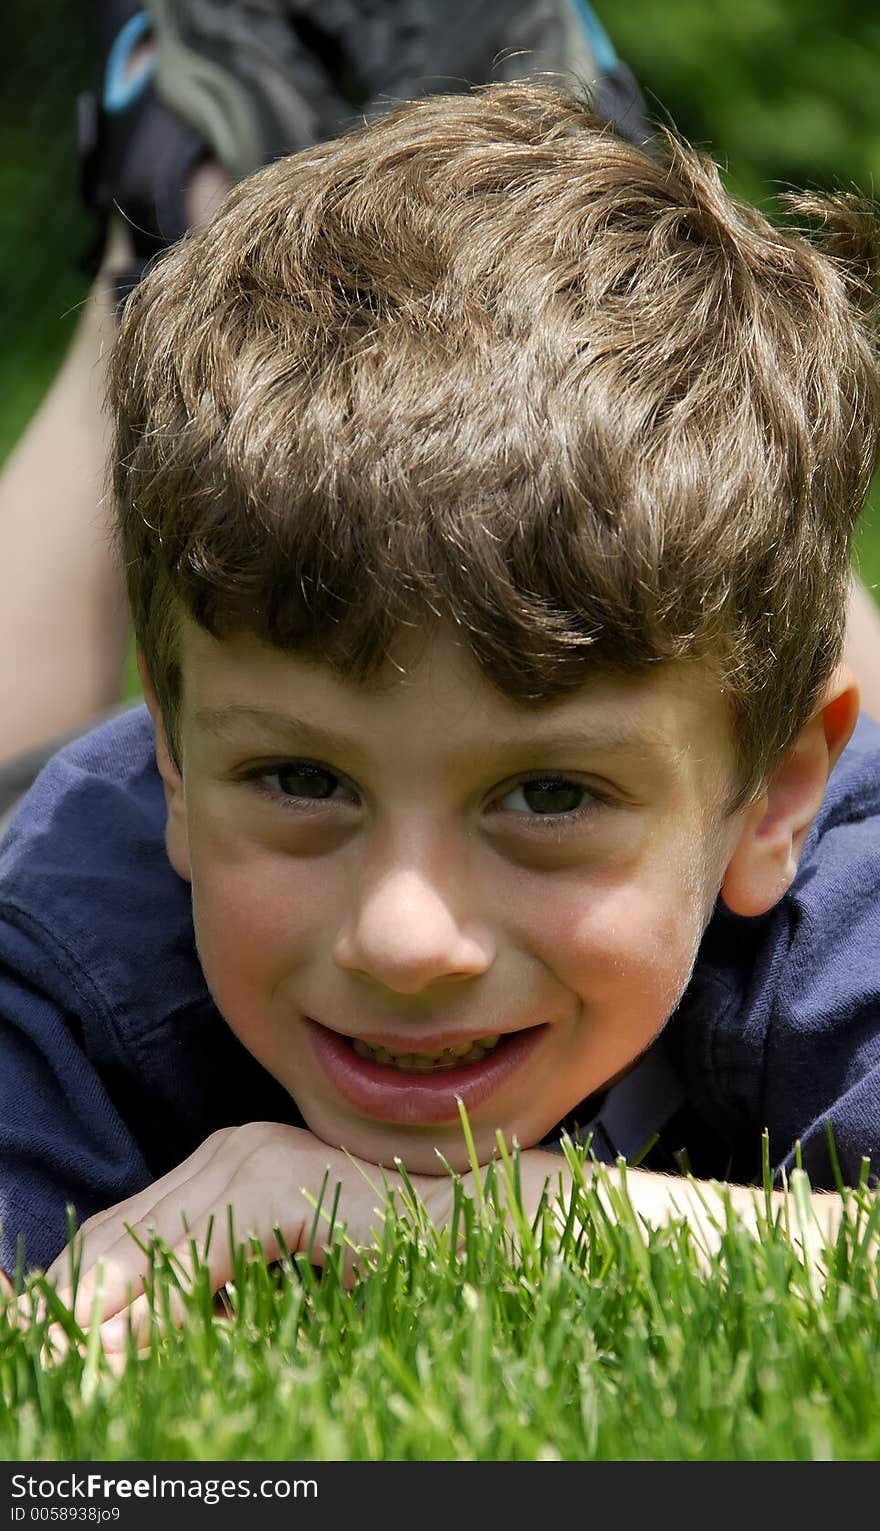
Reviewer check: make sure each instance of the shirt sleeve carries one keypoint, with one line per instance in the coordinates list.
(780, 1027)
(63, 1142)
(821, 1073)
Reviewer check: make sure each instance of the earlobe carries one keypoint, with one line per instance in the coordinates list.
(774, 828)
(176, 839)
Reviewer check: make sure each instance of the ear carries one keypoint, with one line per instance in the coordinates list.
(176, 840)
(775, 827)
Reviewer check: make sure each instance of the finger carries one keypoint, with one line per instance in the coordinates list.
(192, 1259)
(101, 1231)
(211, 1248)
(119, 1271)
(117, 1360)
(58, 1345)
(237, 1179)
(187, 1214)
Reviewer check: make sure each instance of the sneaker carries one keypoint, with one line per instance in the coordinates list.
(244, 81)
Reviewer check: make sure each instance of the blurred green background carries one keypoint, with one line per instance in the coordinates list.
(43, 229)
(782, 92)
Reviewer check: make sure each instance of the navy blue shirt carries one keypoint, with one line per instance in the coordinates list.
(115, 1064)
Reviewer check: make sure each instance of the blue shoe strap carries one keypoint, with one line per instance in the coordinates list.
(601, 46)
(121, 88)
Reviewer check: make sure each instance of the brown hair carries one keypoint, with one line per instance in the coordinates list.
(484, 360)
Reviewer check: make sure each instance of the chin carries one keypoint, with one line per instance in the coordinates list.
(419, 1152)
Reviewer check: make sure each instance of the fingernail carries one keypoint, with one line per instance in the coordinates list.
(33, 1312)
(116, 1361)
(114, 1333)
(57, 1343)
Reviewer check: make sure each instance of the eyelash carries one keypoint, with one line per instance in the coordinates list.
(595, 799)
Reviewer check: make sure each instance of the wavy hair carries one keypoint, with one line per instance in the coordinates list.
(483, 362)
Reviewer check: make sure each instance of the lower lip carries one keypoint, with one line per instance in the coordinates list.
(390, 1095)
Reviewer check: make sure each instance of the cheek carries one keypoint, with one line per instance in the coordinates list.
(627, 944)
(256, 916)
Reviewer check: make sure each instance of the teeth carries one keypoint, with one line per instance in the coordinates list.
(427, 1062)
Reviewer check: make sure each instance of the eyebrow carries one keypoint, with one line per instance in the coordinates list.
(285, 729)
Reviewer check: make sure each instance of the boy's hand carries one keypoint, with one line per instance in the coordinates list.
(260, 1170)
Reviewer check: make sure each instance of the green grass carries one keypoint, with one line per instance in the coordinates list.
(596, 1342)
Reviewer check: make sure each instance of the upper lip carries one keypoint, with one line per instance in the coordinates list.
(419, 1043)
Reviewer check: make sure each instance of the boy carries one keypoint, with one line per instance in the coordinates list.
(485, 489)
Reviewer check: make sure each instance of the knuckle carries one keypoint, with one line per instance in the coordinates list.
(217, 1138)
(256, 1137)
(212, 1146)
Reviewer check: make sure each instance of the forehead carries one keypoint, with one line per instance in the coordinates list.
(432, 692)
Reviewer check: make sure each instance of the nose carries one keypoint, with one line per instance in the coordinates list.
(405, 934)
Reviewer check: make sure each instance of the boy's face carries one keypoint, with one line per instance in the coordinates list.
(422, 863)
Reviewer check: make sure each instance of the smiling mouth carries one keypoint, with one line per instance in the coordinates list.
(428, 1062)
(426, 1088)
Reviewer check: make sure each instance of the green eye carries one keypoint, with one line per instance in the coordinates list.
(547, 795)
(301, 780)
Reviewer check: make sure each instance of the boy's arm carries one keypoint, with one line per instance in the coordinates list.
(62, 1139)
(266, 1174)
(658, 1199)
